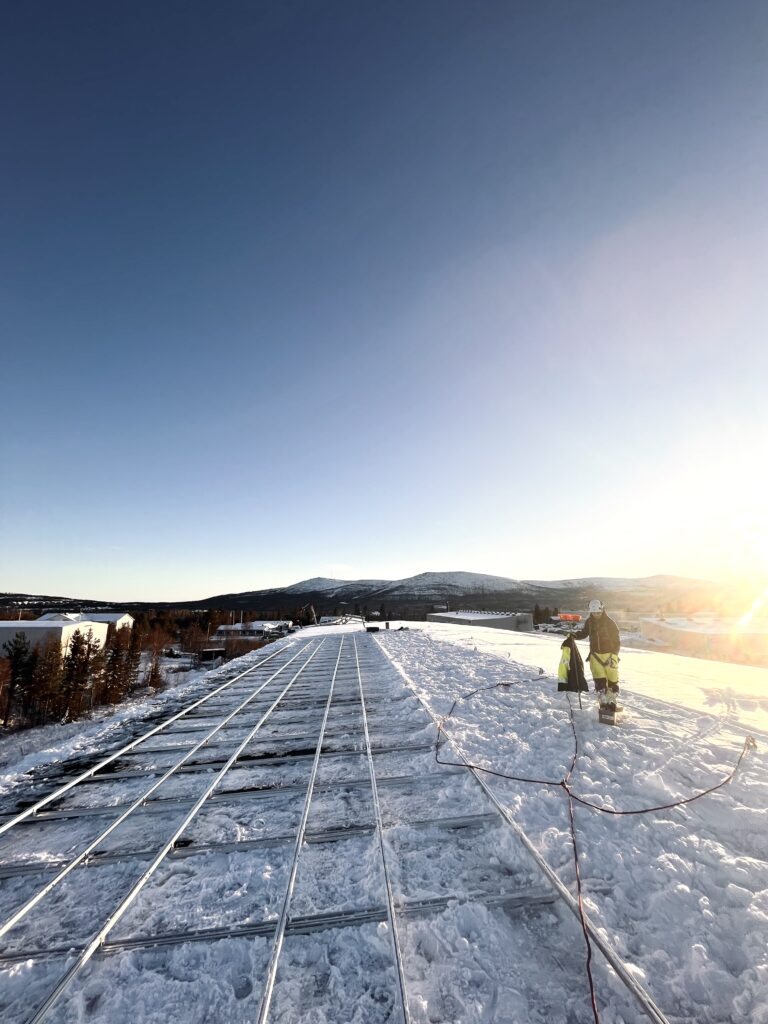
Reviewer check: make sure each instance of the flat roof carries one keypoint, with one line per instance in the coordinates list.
(480, 615)
(22, 624)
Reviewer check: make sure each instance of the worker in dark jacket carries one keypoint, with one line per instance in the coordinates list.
(604, 648)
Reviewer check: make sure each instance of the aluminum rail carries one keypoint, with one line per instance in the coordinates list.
(62, 874)
(326, 835)
(29, 811)
(277, 944)
(255, 760)
(159, 804)
(643, 997)
(131, 895)
(515, 899)
(380, 836)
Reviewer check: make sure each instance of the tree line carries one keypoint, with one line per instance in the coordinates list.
(44, 684)
(543, 614)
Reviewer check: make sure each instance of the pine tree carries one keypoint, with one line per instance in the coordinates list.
(117, 676)
(134, 660)
(21, 664)
(76, 672)
(45, 697)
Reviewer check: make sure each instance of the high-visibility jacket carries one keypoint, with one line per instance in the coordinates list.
(570, 674)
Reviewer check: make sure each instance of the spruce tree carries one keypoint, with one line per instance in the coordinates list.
(21, 664)
(45, 697)
(76, 672)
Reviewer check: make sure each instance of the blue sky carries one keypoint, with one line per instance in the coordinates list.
(367, 289)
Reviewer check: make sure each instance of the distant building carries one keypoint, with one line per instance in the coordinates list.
(40, 631)
(211, 654)
(117, 619)
(521, 622)
(256, 630)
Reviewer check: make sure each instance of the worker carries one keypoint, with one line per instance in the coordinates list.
(604, 645)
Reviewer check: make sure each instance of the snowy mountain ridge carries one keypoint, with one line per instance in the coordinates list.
(424, 589)
(460, 582)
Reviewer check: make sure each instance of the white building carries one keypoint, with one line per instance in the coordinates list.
(519, 621)
(40, 631)
(253, 630)
(118, 619)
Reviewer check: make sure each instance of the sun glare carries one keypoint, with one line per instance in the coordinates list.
(760, 604)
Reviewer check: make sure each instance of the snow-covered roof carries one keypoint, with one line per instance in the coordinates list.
(107, 616)
(258, 624)
(469, 614)
(84, 616)
(25, 624)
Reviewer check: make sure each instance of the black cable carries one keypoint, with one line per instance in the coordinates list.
(749, 744)
(582, 915)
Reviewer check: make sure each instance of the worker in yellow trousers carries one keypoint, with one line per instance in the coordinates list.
(604, 646)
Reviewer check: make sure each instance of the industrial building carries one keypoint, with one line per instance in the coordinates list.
(253, 630)
(521, 622)
(116, 619)
(40, 631)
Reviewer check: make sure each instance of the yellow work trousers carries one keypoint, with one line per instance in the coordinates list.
(605, 672)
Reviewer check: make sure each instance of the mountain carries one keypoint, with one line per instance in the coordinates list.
(415, 595)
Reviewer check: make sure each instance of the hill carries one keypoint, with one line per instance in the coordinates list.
(415, 595)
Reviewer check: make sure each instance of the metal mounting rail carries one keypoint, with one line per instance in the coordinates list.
(27, 812)
(24, 909)
(522, 899)
(251, 760)
(303, 703)
(380, 836)
(277, 945)
(134, 891)
(643, 997)
(335, 733)
(325, 835)
(161, 804)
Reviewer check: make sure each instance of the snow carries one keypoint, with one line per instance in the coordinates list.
(35, 748)
(321, 584)
(23, 625)
(683, 894)
(446, 582)
(460, 582)
(731, 694)
(615, 583)
(476, 615)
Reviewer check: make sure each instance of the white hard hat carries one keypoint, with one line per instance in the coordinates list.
(595, 606)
